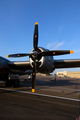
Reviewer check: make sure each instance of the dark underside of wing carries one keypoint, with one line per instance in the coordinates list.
(23, 65)
(73, 63)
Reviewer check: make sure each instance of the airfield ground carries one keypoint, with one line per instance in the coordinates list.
(52, 100)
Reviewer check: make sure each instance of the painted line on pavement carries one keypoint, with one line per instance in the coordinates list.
(77, 100)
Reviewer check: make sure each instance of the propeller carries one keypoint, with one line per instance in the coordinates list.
(46, 53)
(35, 44)
(35, 54)
(18, 55)
(35, 39)
(56, 52)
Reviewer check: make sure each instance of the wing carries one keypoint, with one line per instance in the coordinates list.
(21, 65)
(67, 63)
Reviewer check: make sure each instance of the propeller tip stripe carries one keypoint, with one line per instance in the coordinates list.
(7, 56)
(36, 23)
(33, 90)
(71, 51)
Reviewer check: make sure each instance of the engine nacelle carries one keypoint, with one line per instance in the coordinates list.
(45, 62)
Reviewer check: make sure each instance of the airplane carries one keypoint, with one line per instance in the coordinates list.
(40, 60)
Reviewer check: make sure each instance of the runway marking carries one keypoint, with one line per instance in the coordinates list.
(77, 100)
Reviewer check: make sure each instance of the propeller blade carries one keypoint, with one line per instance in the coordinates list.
(18, 55)
(35, 39)
(34, 75)
(56, 52)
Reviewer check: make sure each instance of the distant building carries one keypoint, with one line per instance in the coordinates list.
(40, 74)
(62, 74)
(68, 74)
(74, 74)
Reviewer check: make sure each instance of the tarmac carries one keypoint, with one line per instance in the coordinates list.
(52, 100)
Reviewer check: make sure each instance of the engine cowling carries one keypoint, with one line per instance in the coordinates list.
(45, 63)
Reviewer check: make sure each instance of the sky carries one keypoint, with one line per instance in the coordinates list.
(58, 27)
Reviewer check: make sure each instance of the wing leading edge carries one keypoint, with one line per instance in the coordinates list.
(67, 63)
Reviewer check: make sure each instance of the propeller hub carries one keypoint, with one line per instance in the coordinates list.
(35, 53)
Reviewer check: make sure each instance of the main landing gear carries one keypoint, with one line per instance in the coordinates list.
(12, 80)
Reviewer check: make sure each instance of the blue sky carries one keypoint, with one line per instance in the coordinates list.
(58, 23)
